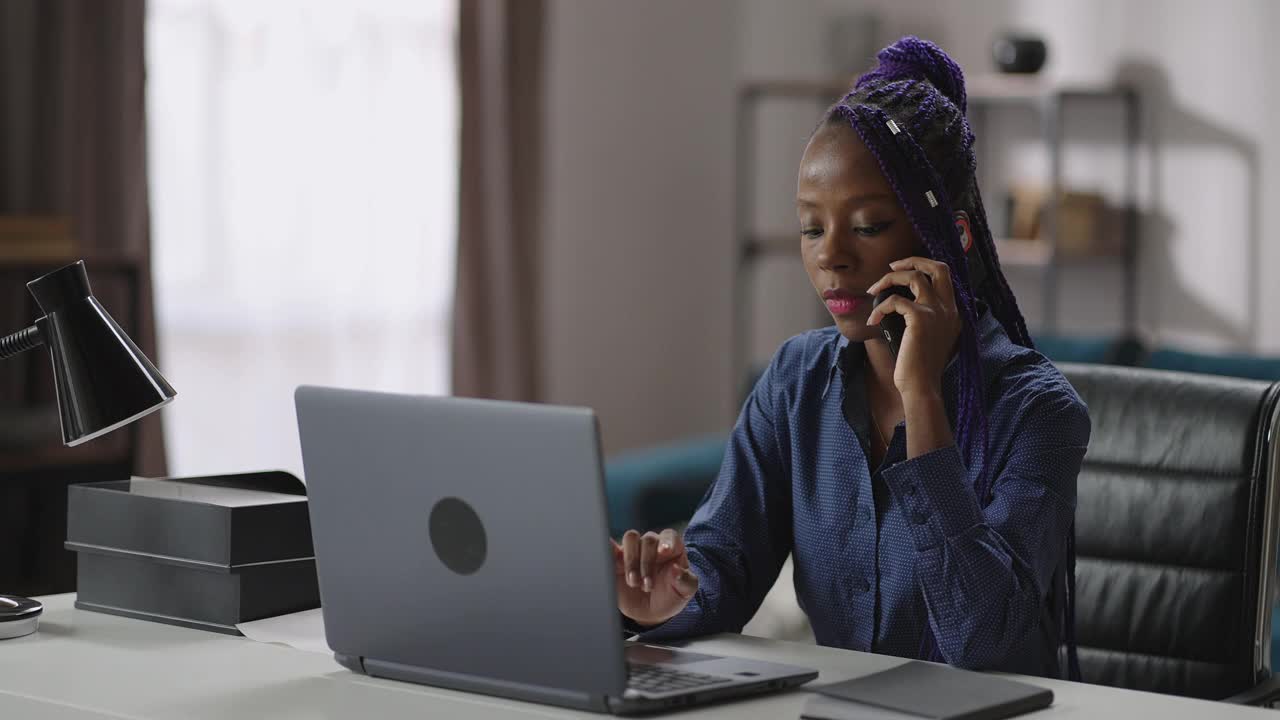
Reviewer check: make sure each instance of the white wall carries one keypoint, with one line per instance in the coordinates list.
(637, 223)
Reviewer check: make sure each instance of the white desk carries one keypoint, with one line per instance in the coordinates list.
(88, 666)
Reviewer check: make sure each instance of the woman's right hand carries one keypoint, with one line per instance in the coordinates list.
(654, 579)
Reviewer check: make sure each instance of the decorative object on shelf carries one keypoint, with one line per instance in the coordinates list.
(1088, 226)
(103, 380)
(1016, 53)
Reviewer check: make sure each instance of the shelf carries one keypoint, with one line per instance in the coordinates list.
(997, 87)
(989, 87)
(1014, 252)
(47, 242)
(1023, 253)
(1038, 253)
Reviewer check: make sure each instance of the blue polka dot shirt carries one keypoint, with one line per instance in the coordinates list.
(879, 554)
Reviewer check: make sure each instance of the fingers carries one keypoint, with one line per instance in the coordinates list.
(640, 559)
(648, 554)
(683, 581)
(939, 275)
(631, 557)
(893, 304)
(670, 545)
(619, 568)
(919, 283)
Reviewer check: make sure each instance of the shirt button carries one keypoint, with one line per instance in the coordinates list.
(911, 491)
(866, 514)
(861, 586)
(919, 518)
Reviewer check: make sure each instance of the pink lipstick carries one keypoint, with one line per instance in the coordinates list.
(842, 302)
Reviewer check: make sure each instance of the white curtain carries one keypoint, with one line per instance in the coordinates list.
(303, 170)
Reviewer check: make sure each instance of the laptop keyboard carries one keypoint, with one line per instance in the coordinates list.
(657, 679)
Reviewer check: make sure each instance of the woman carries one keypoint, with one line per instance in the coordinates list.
(928, 500)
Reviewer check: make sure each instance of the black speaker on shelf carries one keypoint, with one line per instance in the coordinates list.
(1017, 53)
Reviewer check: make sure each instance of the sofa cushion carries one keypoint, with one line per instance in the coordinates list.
(660, 487)
(1232, 365)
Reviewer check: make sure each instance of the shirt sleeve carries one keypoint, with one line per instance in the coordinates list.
(741, 533)
(985, 572)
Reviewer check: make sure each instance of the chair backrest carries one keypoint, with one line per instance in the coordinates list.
(1176, 530)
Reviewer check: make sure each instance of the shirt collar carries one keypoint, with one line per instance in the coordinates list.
(842, 343)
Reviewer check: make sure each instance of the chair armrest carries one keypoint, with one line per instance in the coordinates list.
(661, 486)
(1262, 694)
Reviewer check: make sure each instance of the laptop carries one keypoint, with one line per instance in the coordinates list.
(463, 544)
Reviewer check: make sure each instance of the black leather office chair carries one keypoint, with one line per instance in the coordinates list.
(1176, 531)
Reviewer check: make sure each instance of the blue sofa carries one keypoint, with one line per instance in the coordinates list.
(661, 486)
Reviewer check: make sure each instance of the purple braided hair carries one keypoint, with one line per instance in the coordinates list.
(910, 113)
(933, 226)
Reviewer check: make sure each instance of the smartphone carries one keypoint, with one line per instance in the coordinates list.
(893, 326)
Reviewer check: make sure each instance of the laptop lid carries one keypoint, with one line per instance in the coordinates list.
(465, 537)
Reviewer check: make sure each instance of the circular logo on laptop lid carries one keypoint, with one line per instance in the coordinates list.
(457, 535)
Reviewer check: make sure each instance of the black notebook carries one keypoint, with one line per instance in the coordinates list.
(925, 690)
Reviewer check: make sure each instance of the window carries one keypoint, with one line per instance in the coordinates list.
(303, 180)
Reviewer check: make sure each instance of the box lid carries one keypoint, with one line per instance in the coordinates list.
(213, 522)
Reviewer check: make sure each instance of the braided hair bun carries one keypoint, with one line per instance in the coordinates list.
(911, 58)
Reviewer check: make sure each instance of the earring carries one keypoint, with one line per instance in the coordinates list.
(966, 234)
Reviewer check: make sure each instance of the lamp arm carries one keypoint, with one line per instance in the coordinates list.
(20, 342)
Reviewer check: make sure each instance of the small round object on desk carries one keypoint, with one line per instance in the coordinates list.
(18, 616)
(1021, 54)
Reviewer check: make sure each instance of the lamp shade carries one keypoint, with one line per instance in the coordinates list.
(103, 380)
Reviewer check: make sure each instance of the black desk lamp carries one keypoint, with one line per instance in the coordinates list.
(103, 382)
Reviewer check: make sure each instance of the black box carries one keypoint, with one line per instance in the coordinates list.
(204, 553)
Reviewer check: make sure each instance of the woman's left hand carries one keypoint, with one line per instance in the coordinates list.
(933, 322)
